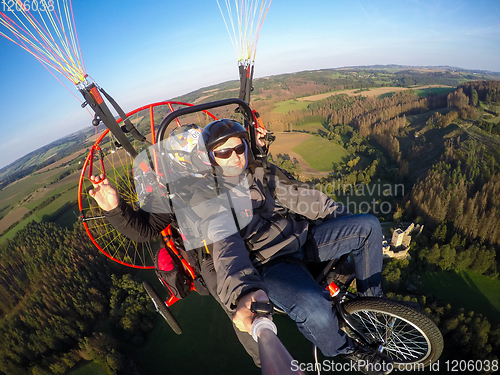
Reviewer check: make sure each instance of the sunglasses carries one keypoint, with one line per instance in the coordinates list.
(226, 153)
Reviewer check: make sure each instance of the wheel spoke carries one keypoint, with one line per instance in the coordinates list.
(400, 340)
(405, 335)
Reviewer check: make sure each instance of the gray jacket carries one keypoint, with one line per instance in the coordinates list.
(259, 228)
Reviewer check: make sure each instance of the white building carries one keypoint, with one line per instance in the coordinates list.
(400, 243)
(397, 238)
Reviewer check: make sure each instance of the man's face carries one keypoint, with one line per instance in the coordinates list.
(231, 156)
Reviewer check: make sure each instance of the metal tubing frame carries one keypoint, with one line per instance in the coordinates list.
(244, 108)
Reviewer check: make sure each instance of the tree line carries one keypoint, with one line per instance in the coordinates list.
(487, 91)
(287, 163)
(364, 113)
(469, 204)
(380, 120)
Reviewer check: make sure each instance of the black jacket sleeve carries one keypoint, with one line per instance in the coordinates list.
(139, 226)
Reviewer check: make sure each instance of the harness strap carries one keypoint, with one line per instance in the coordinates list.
(267, 173)
(98, 105)
(128, 125)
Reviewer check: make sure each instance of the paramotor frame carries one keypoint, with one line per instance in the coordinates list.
(117, 165)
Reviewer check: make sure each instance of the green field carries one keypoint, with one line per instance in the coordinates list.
(423, 92)
(434, 91)
(60, 189)
(469, 290)
(209, 335)
(290, 105)
(208, 344)
(68, 194)
(311, 127)
(320, 153)
(490, 117)
(493, 120)
(29, 192)
(91, 368)
(19, 190)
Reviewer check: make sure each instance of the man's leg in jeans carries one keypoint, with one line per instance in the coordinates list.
(291, 287)
(359, 234)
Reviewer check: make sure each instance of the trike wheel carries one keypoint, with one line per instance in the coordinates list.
(405, 335)
(162, 308)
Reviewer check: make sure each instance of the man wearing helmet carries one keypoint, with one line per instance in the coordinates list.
(262, 258)
(144, 225)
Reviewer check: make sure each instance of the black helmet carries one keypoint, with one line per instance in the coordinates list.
(218, 132)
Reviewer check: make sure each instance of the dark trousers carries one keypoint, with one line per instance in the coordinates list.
(210, 278)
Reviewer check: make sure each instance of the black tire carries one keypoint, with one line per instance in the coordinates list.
(162, 308)
(412, 338)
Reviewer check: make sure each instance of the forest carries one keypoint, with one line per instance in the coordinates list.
(446, 152)
(62, 303)
(456, 192)
(56, 290)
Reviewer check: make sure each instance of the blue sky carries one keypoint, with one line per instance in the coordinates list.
(142, 52)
